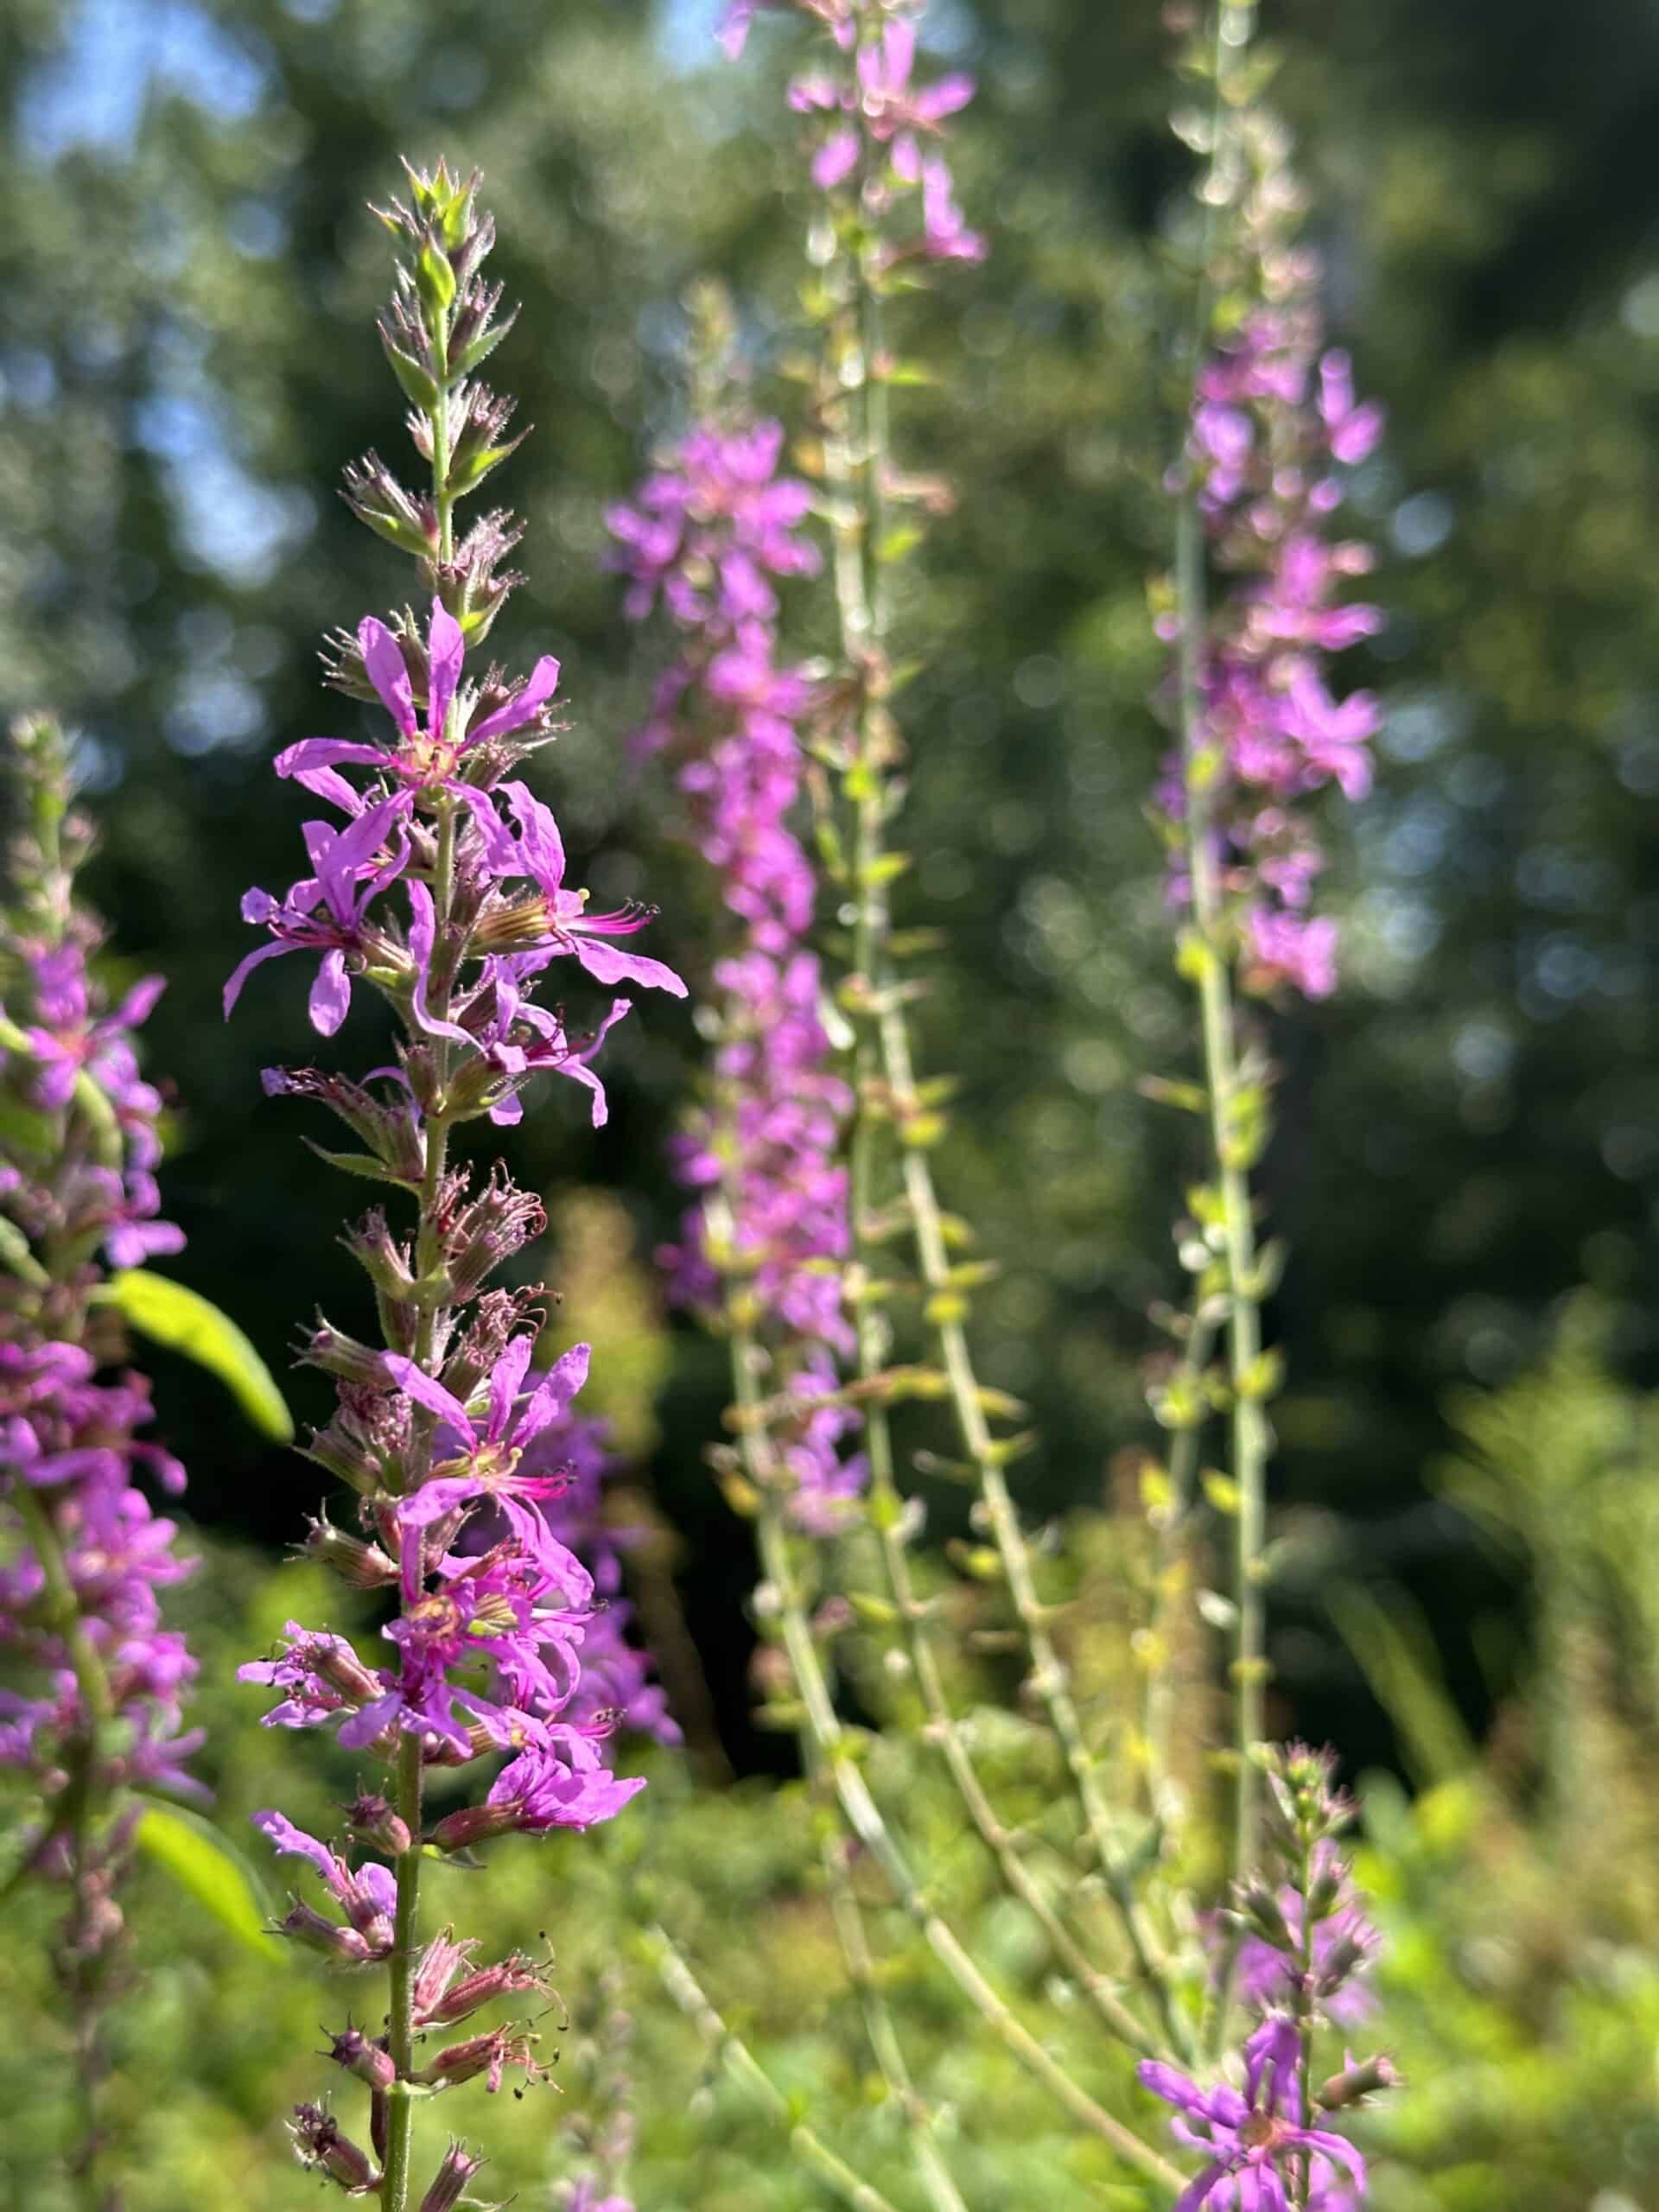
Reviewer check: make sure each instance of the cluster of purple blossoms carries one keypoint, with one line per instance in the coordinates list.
(85, 1555)
(704, 537)
(1291, 1954)
(441, 886)
(880, 132)
(1274, 425)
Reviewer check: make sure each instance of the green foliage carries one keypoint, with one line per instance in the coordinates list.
(173, 1314)
(211, 1871)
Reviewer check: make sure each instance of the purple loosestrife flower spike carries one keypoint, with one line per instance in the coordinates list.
(1253, 613)
(705, 537)
(443, 888)
(1304, 1943)
(95, 1683)
(1274, 430)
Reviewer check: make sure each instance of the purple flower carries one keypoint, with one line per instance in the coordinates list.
(430, 755)
(326, 912)
(538, 853)
(1249, 2139)
(482, 1462)
(85, 1558)
(1273, 422)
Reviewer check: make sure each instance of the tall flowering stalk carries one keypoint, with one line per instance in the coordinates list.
(707, 537)
(885, 211)
(889, 210)
(441, 884)
(1254, 611)
(98, 1715)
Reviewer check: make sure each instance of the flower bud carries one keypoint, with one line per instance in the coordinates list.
(336, 1353)
(384, 1261)
(373, 1821)
(489, 2054)
(370, 2062)
(476, 1990)
(458, 2168)
(320, 2145)
(373, 493)
(1365, 2077)
(472, 1824)
(365, 1567)
(500, 1221)
(1260, 1905)
(344, 1945)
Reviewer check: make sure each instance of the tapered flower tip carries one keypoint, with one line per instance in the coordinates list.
(446, 647)
(383, 657)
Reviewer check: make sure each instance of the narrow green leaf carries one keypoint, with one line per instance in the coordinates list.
(210, 1869)
(185, 1321)
(361, 1163)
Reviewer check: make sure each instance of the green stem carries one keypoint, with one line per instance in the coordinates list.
(821, 1747)
(76, 1806)
(1171, 1562)
(864, 1817)
(1229, 1151)
(1305, 2017)
(857, 464)
(410, 1779)
(740, 2063)
(1235, 21)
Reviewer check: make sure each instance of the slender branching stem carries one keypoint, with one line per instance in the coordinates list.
(1231, 1146)
(856, 467)
(821, 1750)
(1171, 1556)
(732, 2052)
(865, 1819)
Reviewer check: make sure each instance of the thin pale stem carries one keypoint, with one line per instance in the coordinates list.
(740, 2062)
(1171, 1557)
(1234, 24)
(856, 461)
(1229, 1149)
(76, 1812)
(821, 1750)
(867, 1822)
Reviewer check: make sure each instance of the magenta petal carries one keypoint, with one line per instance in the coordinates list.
(446, 648)
(541, 848)
(608, 963)
(836, 160)
(422, 937)
(331, 995)
(433, 1500)
(365, 1725)
(388, 671)
(554, 1393)
(415, 1383)
(523, 705)
(507, 1382)
(943, 98)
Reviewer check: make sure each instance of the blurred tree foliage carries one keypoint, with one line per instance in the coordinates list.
(188, 360)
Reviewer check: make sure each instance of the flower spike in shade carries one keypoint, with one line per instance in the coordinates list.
(92, 1710)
